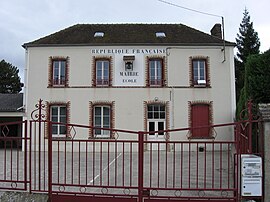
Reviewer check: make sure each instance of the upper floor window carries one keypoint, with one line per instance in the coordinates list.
(200, 72)
(58, 72)
(102, 72)
(155, 72)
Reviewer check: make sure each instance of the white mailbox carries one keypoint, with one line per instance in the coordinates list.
(251, 175)
(251, 165)
(251, 186)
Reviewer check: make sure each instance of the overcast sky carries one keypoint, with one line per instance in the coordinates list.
(23, 21)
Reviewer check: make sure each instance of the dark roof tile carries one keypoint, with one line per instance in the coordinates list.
(11, 102)
(128, 34)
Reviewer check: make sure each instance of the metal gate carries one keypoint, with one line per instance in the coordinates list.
(125, 169)
(129, 170)
(14, 162)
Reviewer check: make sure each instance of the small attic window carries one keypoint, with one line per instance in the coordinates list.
(99, 34)
(160, 34)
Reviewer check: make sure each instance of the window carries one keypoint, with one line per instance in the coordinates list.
(160, 34)
(102, 119)
(200, 116)
(156, 111)
(155, 72)
(199, 67)
(102, 73)
(199, 72)
(99, 34)
(59, 72)
(101, 115)
(58, 114)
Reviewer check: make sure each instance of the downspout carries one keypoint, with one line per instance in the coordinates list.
(223, 36)
(172, 107)
(26, 68)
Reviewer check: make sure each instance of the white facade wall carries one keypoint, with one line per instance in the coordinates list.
(129, 101)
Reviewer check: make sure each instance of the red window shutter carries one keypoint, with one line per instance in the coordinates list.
(200, 117)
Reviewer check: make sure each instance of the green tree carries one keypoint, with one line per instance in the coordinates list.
(247, 43)
(257, 80)
(9, 78)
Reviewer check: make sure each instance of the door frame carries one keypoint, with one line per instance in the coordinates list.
(166, 119)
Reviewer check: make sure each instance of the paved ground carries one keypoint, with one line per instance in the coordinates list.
(169, 173)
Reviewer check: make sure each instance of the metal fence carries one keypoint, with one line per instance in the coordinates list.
(122, 169)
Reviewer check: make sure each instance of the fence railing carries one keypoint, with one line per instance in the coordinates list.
(14, 162)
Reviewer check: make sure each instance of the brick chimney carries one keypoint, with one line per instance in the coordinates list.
(216, 31)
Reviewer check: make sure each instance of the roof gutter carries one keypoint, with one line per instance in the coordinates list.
(129, 44)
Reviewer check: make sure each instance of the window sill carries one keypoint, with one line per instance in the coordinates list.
(156, 86)
(201, 86)
(60, 86)
(64, 137)
(102, 86)
(100, 138)
(201, 138)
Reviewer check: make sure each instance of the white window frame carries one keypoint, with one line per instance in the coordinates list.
(154, 80)
(161, 113)
(58, 120)
(59, 80)
(102, 81)
(201, 79)
(104, 133)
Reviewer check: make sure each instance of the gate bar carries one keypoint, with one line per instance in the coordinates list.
(140, 166)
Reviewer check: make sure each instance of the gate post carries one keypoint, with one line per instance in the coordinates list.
(250, 117)
(237, 165)
(140, 165)
(50, 161)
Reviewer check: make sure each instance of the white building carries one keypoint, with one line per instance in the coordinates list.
(141, 77)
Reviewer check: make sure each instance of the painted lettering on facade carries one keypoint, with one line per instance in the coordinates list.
(129, 77)
(131, 71)
(128, 51)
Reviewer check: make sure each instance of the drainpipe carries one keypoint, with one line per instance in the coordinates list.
(172, 107)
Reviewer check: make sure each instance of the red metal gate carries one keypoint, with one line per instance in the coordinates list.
(14, 162)
(129, 168)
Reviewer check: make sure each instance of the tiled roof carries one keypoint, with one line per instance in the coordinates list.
(128, 34)
(11, 102)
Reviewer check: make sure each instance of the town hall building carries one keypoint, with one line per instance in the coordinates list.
(137, 77)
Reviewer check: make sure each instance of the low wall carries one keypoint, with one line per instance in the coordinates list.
(22, 197)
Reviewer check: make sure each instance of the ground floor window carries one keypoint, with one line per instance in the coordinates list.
(58, 114)
(102, 119)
